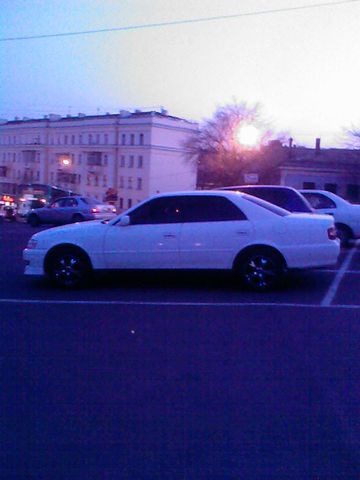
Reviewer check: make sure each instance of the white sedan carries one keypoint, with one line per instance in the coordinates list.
(346, 215)
(223, 230)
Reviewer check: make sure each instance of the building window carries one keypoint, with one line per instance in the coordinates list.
(79, 159)
(123, 139)
(129, 203)
(122, 161)
(79, 179)
(80, 139)
(121, 203)
(65, 139)
(96, 181)
(106, 138)
(132, 139)
(141, 139)
(88, 180)
(104, 181)
(140, 161)
(130, 183)
(331, 187)
(105, 160)
(139, 183)
(94, 158)
(131, 161)
(52, 177)
(90, 139)
(72, 139)
(98, 139)
(121, 182)
(308, 185)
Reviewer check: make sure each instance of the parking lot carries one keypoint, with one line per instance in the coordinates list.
(179, 377)
(328, 287)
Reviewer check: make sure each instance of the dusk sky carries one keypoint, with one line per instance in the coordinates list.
(301, 65)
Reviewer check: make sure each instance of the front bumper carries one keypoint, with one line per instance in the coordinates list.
(34, 261)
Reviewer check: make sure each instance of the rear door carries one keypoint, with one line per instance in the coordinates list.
(213, 232)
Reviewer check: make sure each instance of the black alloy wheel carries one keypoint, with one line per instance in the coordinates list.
(344, 235)
(69, 268)
(261, 270)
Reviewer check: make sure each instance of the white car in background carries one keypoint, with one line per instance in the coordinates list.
(217, 230)
(346, 215)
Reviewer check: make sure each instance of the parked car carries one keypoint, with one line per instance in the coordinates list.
(70, 210)
(8, 213)
(217, 230)
(25, 205)
(282, 196)
(346, 215)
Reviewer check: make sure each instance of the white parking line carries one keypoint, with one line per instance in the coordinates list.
(330, 295)
(22, 301)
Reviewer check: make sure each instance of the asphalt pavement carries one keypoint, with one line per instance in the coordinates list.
(178, 377)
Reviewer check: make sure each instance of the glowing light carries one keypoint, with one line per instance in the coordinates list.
(248, 135)
(65, 162)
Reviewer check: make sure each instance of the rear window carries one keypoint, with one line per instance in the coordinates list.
(282, 197)
(89, 200)
(268, 206)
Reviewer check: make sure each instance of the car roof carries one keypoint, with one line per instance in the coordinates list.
(224, 193)
(265, 187)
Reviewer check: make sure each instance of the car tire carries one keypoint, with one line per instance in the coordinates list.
(260, 269)
(344, 235)
(77, 218)
(33, 220)
(69, 268)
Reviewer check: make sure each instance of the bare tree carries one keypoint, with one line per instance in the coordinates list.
(352, 137)
(215, 149)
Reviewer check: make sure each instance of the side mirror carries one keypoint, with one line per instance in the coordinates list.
(124, 221)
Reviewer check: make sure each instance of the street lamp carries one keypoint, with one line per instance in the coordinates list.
(65, 161)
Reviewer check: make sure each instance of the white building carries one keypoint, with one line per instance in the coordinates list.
(136, 154)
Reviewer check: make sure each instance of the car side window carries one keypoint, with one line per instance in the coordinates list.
(157, 211)
(319, 201)
(210, 208)
(70, 202)
(57, 204)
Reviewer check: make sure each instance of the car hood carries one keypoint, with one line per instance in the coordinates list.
(72, 232)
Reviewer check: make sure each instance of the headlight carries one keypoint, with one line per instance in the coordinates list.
(32, 243)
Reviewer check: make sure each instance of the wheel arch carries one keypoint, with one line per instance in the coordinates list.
(77, 216)
(64, 246)
(345, 227)
(251, 248)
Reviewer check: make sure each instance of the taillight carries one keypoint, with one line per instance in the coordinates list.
(332, 233)
(95, 210)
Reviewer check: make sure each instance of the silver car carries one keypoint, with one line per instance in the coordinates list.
(70, 210)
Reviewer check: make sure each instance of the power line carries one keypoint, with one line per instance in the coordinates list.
(181, 22)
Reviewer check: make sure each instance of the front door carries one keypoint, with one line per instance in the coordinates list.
(151, 240)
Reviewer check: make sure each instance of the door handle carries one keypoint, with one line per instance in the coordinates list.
(169, 235)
